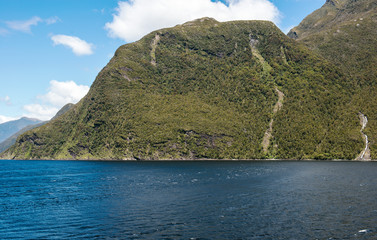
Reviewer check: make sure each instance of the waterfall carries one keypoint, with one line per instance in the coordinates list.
(364, 122)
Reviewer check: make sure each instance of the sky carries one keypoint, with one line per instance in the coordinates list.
(52, 50)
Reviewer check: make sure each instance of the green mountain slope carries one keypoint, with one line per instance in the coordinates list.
(63, 110)
(206, 90)
(344, 32)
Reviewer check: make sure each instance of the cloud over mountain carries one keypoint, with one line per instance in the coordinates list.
(4, 119)
(59, 94)
(136, 18)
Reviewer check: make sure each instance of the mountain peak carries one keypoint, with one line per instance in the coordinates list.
(63, 110)
(201, 21)
(332, 2)
(30, 119)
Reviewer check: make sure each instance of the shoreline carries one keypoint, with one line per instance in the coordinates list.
(197, 160)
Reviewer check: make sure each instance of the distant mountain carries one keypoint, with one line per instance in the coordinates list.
(207, 90)
(344, 32)
(63, 110)
(4, 145)
(7, 129)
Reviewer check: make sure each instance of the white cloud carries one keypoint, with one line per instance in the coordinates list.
(78, 46)
(101, 11)
(41, 112)
(6, 100)
(4, 119)
(52, 20)
(24, 26)
(136, 18)
(59, 94)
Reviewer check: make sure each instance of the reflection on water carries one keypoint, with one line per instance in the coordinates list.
(183, 200)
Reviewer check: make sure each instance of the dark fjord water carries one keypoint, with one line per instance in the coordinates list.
(188, 200)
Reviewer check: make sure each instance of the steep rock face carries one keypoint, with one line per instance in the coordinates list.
(206, 90)
(344, 32)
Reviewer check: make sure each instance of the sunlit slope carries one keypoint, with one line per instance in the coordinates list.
(206, 90)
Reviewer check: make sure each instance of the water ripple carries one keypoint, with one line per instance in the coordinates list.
(187, 200)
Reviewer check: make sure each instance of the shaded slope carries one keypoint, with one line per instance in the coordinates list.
(204, 90)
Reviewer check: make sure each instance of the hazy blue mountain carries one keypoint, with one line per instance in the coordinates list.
(4, 145)
(7, 129)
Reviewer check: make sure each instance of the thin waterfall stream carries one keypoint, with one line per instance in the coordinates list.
(364, 122)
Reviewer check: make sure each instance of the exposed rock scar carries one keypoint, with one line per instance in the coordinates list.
(154, 43)
(268, 134)
(365, 154)
(254, 50)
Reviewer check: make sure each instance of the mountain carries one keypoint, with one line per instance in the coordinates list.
(9, 128)
(344, 32)
(4, 145)
(63, 110)
(207, 90)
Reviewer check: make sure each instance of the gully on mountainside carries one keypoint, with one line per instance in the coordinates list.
(365, 154)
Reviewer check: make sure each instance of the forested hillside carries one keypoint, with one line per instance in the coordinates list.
(207, 90)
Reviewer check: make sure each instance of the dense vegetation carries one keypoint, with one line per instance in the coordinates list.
(344, 32)
(206, 90)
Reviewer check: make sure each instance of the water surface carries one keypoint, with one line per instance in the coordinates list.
(188, 200)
